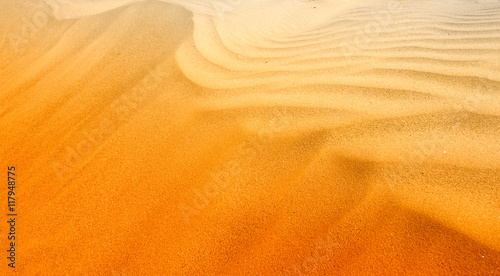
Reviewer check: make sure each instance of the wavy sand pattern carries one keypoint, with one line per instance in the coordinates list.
(253, 137)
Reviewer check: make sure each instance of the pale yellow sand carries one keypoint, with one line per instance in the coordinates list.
(252, 137)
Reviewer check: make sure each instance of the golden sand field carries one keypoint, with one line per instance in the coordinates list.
(270, 137)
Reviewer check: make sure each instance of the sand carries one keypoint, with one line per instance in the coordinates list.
(252, 137)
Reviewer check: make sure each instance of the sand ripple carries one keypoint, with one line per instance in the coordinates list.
(298, 117)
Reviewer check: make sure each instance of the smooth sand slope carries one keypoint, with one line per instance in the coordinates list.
(252, 137)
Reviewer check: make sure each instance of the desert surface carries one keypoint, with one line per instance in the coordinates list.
(253, 137)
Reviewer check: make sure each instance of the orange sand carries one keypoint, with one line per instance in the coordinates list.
(151, 141)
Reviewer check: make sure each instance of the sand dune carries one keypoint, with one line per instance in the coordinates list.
(253, 137)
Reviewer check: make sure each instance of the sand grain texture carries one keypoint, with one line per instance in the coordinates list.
(252, 137)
